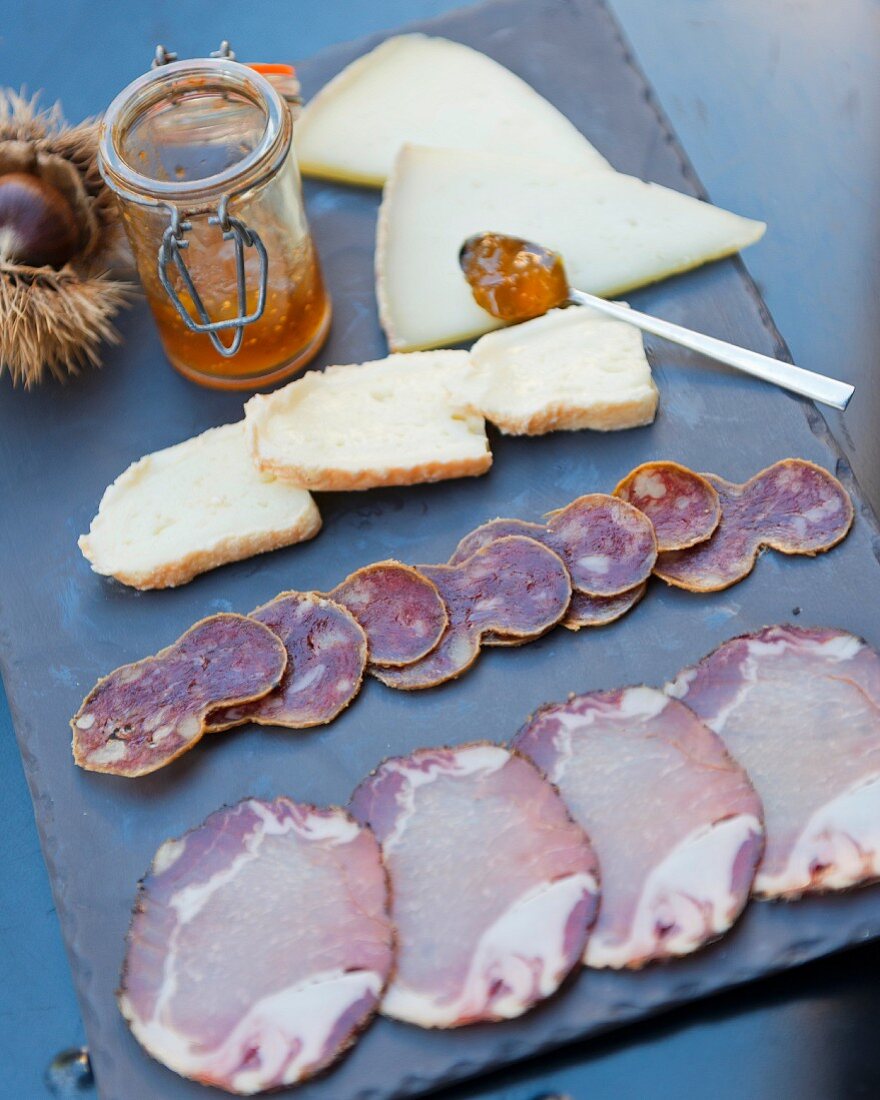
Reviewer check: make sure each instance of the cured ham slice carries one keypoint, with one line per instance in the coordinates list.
(683, 506)
(800, 710)
(259, 946)
(493, 885)
(675, 822)
(144, 715)
(793, 506)
(327, 655)
(607, 545)
(401, 611)
(514, 587)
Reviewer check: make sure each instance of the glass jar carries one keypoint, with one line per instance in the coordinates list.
(200, 155)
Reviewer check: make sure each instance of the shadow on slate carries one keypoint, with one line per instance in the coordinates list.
(61, 626)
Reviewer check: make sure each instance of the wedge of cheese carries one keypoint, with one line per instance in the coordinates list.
(614, 232)
(568, 370)
(191, 507)
(395, 421)
(432, 92)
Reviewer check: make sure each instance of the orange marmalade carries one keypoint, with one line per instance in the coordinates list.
(200, 155)
(513, 279)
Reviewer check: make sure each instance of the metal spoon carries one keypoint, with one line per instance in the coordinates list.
(515, 279)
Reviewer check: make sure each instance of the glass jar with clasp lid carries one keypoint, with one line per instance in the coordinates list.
(200, 154)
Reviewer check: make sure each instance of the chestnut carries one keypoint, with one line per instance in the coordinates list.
(37, 224)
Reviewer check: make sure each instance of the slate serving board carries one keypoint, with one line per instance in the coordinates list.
(61, 626)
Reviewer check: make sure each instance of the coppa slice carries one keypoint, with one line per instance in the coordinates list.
(800, 710)
(327, 655)
(493, 886)
(259, 946)
(514, 587)
(675, 822)
(144, 715)
(430, 90)
(683, 506)
(614, 232)
(607, 545)
(793, 506)
(400, 610)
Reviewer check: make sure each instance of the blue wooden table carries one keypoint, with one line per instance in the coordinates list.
(777, 105)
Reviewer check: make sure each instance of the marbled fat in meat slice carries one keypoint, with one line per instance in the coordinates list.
(800, 709)
(401, 611)
(493, 885)
(259, 946)
(793, 506)
(608, 546)
(514, 587)
(327, 655)
(600, 610)
(675, 822)
(144, 715)
(682, 505)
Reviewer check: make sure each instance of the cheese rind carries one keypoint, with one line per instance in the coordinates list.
(191, 507)
(396, 421)
(434, 92)
(568, 370)
(614, 233)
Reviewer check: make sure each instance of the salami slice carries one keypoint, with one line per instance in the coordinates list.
(584, 611)
(676, 824)
(514, 587)
(607, 545)
(683, 506)
(493, 886)
(793, 506)
(600, 610)
(259, 946)
(144, 715)
(327, 655)
(800, 710)
(401, 611)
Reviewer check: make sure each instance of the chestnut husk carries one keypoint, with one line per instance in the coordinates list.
(54, 319)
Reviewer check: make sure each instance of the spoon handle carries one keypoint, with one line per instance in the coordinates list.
(806, 382)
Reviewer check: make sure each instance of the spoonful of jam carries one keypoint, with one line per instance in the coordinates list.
(516, 280)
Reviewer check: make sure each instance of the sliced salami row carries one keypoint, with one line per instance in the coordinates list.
(513, 589)
(507, 582)
(465, 884)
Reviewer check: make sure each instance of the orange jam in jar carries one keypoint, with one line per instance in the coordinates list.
(200, 154)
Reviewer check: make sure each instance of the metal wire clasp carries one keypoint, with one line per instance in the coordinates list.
(171, 250)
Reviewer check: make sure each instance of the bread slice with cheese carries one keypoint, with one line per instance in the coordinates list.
(191, 507)
(614, 233)
(433, 92)
(396, 421)
(570, 369)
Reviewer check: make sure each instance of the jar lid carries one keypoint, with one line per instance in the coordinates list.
(189, 131)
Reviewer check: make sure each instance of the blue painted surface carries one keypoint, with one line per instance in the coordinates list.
(777, 107)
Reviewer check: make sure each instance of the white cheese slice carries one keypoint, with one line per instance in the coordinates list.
(395, 421)
(568, 370)
(191, 507)
(432, 92)
(614, 232)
